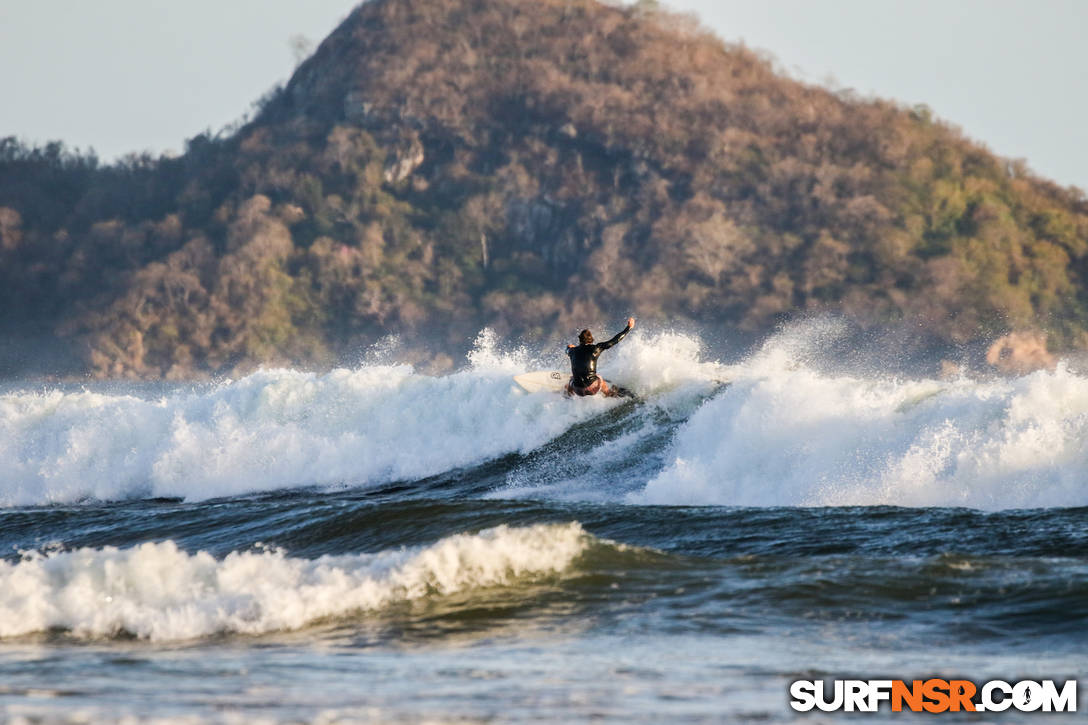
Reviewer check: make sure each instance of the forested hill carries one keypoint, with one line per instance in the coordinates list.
(536, 166)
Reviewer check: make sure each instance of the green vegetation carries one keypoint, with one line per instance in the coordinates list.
(534, 166)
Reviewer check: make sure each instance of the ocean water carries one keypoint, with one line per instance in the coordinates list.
(376, 545)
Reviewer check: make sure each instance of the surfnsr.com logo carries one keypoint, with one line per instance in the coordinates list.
(933, 695)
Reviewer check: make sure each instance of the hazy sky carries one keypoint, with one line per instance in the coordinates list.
(130, 75)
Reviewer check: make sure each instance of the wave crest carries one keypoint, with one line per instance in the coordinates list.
(157, 591)
(271, 430)
(278, 429)
(786, 435)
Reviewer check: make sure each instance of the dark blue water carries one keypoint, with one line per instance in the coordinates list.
(665, 613)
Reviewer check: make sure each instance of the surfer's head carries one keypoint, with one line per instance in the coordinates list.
(585, 337)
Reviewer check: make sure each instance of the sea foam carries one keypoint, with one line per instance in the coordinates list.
(270, 430)
(157, 591)
(789, 432)
(277, 429)
(793, 428)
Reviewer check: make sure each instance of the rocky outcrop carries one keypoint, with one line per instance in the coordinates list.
(405, 157)
(1018, 353)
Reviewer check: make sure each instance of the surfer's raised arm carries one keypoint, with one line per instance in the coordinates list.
(619, 335)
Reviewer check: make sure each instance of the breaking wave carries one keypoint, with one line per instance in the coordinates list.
(796, 427)
(279, 429)
(790, 433)
(158, 592)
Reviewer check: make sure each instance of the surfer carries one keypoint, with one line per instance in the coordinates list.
(583, 365)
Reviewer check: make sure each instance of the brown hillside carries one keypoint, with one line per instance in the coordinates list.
(535, 166)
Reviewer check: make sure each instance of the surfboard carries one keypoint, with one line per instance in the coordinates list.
(917, 399)
(542, 381)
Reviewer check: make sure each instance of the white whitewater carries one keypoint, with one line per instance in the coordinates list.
(787, 432)
(271, 430)
(156, 591)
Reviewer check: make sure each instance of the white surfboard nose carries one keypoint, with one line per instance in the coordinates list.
(542, 381)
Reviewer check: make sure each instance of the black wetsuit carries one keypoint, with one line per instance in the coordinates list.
(583, 360)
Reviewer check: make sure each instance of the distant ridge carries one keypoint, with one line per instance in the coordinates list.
(437, 166)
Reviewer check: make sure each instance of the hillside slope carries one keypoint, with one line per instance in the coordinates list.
(536, 166)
